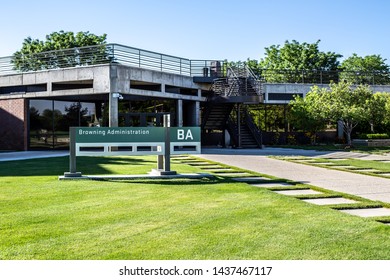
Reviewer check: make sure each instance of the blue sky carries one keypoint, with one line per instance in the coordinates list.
(206, 29)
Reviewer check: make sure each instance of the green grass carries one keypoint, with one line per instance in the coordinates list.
(43, 218)
(369, 164)
(358, 165)
(340, 147)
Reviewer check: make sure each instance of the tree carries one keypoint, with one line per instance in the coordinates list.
(306, 114)
(76, 115)
(296, 62)
(61, 49)
(386, 119)
(35, 120)
(50, 119)
(371, 69)
(377, 110)
(344, 103)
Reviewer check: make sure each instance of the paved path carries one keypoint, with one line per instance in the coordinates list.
(373, 188)
(10, 156)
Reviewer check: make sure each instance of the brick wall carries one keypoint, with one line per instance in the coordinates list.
(13, 124)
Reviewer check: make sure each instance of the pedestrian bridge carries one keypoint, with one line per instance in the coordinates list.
(204, 92)
(98, 70)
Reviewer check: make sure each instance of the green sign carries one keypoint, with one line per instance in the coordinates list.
(109, 141)
(135, 134)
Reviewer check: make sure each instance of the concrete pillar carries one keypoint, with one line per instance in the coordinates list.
(26, 124)
(340, 130)
(197, 113)
(179, 113)
(113, 111)
(198, 118)
(239, 124)
(191, 113)
(113, 98)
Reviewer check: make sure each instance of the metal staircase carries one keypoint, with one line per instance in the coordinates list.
(243, 132)
(243, 82)
(240, 86)
(216, 115)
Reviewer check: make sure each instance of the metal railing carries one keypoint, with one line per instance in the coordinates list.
(149, 60)
(242, 81)
(6, 66)
(248, 119)
(254, 81)
(323, 76)
(134, 57)
(110, 53)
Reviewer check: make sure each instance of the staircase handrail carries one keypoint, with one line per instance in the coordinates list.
(253, 128)
(233, 81)
(231, 72)
(250, 72)
(254, 80)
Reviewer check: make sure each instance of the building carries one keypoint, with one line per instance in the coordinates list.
(125, 86)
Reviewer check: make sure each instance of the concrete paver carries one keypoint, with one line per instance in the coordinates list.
(298, 192)
(271, 185)
(370, 187)
(231, 174)
(250, 179)
(212, 166)
(220, 170)
(368, 212)
(329, 201)
(200, 164)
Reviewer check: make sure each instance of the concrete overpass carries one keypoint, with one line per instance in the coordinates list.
(116, 75)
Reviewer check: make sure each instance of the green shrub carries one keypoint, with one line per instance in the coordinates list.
(378, 136)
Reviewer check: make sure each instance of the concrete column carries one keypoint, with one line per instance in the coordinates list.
(340, 130)
(179, 113)
(113, 111)
(26, 124)
(49, 86)
(197, 114)
(198, 118)
(239, 124)
(113, 98)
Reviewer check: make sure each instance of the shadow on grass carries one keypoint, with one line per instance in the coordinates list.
(57, 166)
(339, 148)
(187, 182)
(175, 182)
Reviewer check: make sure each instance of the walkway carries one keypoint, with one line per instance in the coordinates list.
(10, 156)
(373, 188)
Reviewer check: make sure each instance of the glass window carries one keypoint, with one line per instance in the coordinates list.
(50, 121)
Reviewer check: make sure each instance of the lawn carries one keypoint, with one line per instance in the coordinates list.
(341, 148)
(376, 168)
(43, 218)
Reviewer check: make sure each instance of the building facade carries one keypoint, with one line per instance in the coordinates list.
(125, 86)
